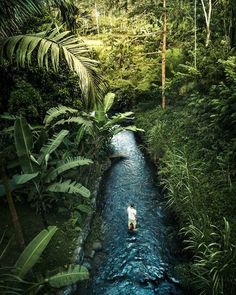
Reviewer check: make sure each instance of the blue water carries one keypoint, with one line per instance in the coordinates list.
(133, 263)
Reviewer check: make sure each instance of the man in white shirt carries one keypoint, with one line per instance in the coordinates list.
(132, 214)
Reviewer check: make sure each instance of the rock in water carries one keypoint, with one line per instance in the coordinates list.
(97, 246)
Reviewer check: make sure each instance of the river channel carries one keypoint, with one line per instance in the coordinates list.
(137, 263)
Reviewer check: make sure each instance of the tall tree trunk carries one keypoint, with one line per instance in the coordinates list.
(207, 16)
(232, 27)
(14, 215)
(195, 34)
(97, 18)
(163, 66)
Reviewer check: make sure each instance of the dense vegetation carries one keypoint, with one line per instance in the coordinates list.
(63, 96)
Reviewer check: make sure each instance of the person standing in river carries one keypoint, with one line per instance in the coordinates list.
(132, 217)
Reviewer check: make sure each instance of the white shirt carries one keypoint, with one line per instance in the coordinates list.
(131, 213)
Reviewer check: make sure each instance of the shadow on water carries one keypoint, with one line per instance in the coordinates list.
(133, 263)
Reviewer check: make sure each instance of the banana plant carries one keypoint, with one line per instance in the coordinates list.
(105, 127)
(96, 127)
(41, 176)
(13, 280)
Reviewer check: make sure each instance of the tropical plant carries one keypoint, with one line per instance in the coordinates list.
(214, 257)
(181, 178)
(95, 128)
(48, 47)
(13, 280)
(40, 172)
(13, 14)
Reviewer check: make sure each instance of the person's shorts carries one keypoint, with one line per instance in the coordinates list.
(132, 221)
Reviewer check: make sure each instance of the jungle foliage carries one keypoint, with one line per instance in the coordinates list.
(193, 145)
(54, 87)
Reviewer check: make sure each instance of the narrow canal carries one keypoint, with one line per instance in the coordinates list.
(133, 263)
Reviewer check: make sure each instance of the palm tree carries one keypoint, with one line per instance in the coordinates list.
(48, 47)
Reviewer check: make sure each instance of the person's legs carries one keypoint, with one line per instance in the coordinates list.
(131, 224)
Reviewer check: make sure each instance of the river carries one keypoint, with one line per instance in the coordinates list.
(137, 263)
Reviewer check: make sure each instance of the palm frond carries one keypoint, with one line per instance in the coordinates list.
(69, 187)
(66, 165)
(49, 47)
(13, 13)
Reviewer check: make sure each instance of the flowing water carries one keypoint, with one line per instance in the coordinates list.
(133, 263)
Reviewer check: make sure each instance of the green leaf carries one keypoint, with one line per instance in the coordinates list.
(52, 145)
(76, 120)
(23, 137)
(23, 178)
(66, 165)
(80, 134)
(129, 128)
(108, 101)
(24, 144)
(32, 252)
(84, 208)
(7, 116)
(72, 275)
(69, 187)
(54, 113)
(50, 47)
(14, 13)
(119, 118)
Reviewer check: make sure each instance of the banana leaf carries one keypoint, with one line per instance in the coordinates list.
(69, 187)
(24, 144)
(84, 208)
(52, 145)
(72, 275)
(108, 101)
(32, 252)
(129, 128)
(23, 178)
(55, 112)
(66, 165)
(23, 137)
